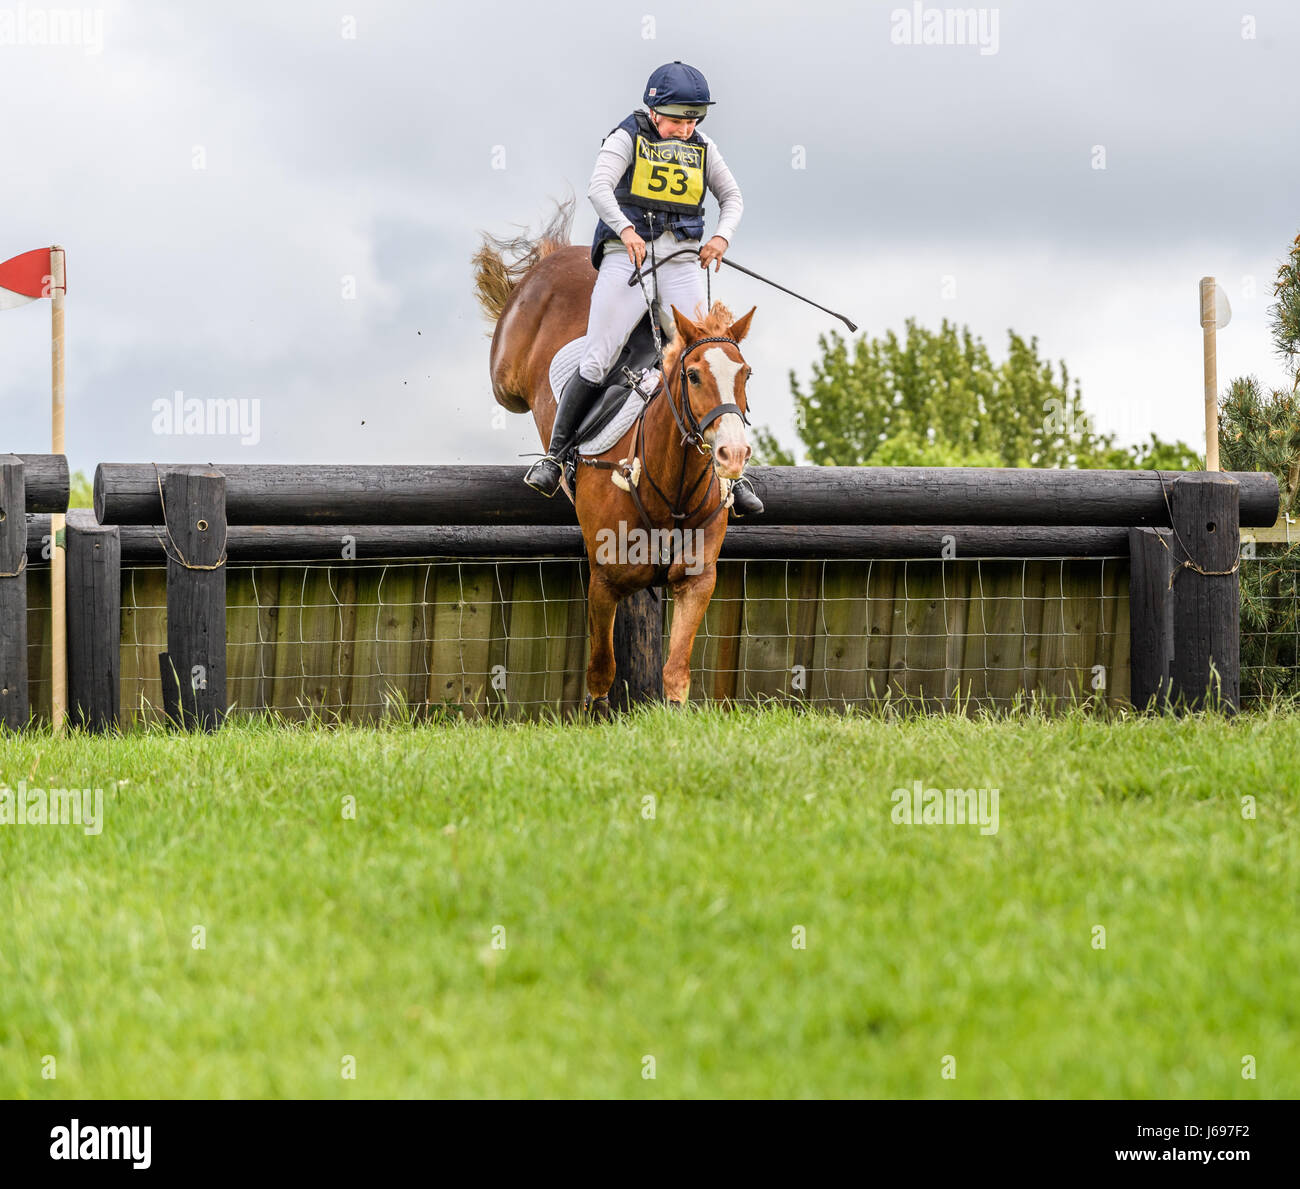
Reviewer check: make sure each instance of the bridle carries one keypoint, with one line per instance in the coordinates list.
(692, 430)
(694, 435)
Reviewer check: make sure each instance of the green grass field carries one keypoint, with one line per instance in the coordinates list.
(670, 937)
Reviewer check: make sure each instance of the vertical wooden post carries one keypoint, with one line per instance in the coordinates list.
(1209, 327)
(638, 649)
(194, 665)
(1207, 593)
(94, 621)
(58, 580)
(1151, 615)
(14, 707)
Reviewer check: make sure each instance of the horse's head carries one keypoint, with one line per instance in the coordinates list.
(711, 384)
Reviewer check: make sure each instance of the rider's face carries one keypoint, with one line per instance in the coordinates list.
(673, 129)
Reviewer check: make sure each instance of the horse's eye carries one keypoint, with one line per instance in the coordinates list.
(693, 375)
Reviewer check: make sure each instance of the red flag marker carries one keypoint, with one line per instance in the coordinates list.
(25, 278)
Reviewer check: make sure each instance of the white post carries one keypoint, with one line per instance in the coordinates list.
(1209, 324)
(58, 553)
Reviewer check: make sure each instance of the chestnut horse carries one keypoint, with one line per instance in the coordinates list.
(670, 470)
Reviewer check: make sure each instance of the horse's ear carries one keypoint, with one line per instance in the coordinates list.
(685, 327)
(740, 327)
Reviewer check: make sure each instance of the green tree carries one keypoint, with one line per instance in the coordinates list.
(1260, 431)
(937, 399)
(81, 491)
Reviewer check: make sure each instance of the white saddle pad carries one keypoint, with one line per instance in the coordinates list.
(563, 365)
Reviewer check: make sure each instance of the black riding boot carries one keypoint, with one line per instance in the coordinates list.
(575, 400)
(744, 500)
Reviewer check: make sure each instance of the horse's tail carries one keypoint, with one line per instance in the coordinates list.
(500, 264)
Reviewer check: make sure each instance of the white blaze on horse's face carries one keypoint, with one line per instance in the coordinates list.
(731, 450)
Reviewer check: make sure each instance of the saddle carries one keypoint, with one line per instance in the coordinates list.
(638, 352)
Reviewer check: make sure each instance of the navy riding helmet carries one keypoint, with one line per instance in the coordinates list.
(678, 91)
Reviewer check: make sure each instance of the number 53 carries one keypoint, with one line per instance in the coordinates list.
(658, 180)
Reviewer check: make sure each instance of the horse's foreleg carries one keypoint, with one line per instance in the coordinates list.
(602, 602)
(690, 600)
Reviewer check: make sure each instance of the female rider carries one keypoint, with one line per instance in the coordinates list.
(648, 184)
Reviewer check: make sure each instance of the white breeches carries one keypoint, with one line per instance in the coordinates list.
(616, 306)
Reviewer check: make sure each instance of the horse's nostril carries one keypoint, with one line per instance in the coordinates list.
(733, 457)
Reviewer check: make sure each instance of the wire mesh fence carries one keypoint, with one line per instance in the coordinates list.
(357, 640)
(1270, 622)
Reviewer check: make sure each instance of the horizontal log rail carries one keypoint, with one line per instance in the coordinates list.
(46, 479)
(257, 494)
(322, 543)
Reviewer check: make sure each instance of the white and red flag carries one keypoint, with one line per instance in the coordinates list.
(33, 275)
(25, 278)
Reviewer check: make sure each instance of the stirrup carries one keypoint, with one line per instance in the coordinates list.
(544, 475)
(742, 492)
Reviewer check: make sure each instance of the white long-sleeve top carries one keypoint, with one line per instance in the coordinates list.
(612, 162)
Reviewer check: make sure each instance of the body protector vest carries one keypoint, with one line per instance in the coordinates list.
(663, 187)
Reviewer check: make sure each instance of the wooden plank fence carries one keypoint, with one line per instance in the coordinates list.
(352, 641)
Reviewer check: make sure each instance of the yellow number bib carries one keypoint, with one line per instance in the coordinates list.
(667, 174)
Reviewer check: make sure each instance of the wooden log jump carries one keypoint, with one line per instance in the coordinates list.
(128, 493)
(46, 478)
(1181, 532)
(321, 543)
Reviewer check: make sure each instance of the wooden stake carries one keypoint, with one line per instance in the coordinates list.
(94, 555)
(58, 578)
(1151, 616)
(194, 666)
(1206, 629)
(1209, 324)
(14, 709)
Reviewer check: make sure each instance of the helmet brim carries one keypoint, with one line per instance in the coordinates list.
(683, 111)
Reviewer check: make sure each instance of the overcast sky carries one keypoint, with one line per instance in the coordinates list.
(361, 140)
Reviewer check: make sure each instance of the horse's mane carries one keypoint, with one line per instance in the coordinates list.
(716, 322)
